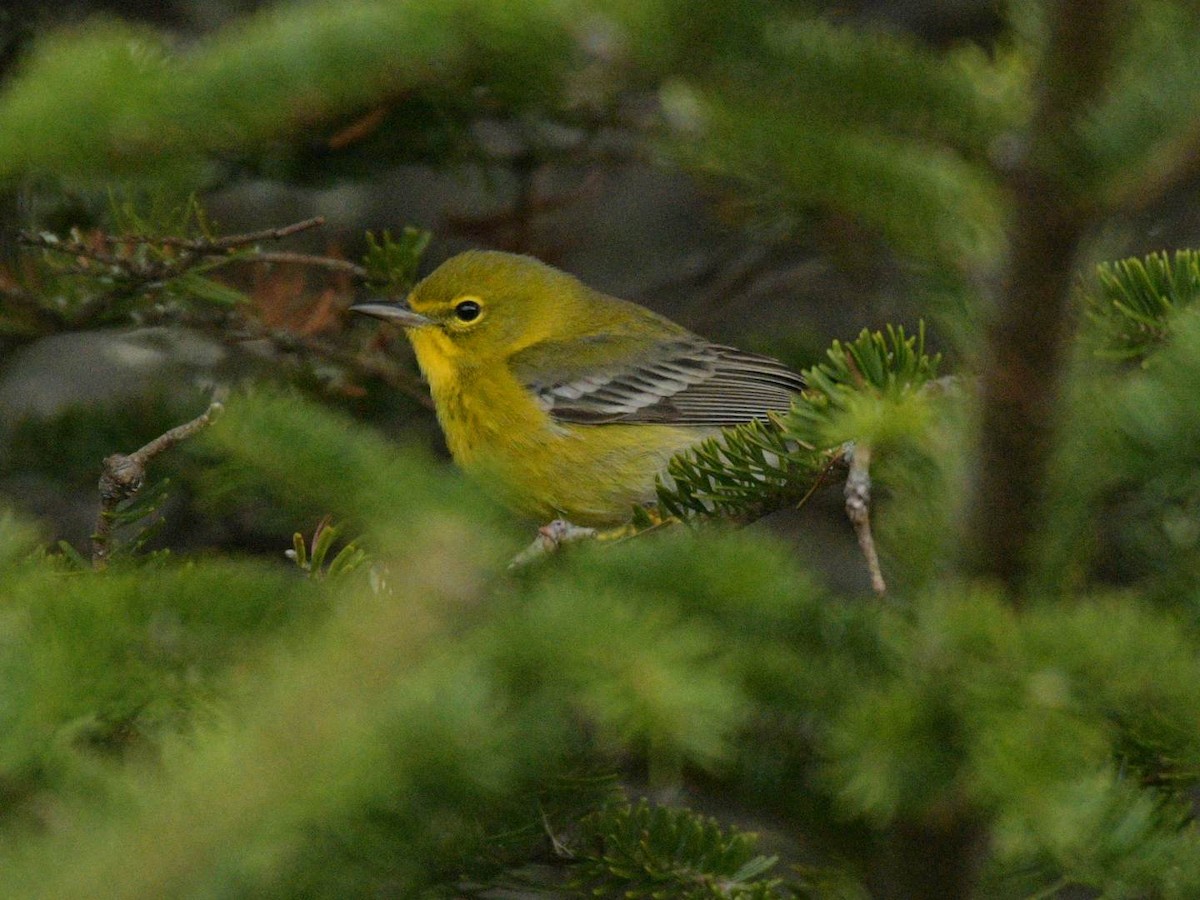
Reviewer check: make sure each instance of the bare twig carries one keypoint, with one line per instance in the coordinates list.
(123, 476)
(71, 247)
(213, 245)
(190, 247)
(858, 508)
(549, 538)
(305, 259)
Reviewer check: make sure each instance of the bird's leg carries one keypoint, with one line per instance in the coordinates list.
(549, 538)
(646, 518)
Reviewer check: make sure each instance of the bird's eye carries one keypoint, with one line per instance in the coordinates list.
(467, 311)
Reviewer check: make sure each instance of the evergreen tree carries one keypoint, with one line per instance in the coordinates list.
(400, 715)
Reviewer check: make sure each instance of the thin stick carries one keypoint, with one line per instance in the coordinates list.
(209, 245)
(858, 508)
(123, 476)
(304, 259)
(191, 246)
(69, 248)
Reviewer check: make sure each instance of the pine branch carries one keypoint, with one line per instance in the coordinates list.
(654, 851)
(1134, 300)
(758, 468)
(207, 246)
(755, 469)
(127, 265)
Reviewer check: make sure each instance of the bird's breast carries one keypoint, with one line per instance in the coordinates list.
(485, 413)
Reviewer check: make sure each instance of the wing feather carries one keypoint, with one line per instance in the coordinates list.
(679, 381)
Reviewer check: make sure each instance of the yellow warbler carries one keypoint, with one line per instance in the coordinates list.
(564, 400)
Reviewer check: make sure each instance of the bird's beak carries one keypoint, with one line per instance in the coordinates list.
(396, 313)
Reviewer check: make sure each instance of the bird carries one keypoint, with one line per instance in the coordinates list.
(566, 402)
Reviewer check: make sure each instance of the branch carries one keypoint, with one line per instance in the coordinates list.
(1026, 338)
(214, 245)
(549, 538)
(139, 271)
(192, 249)
(304, 259)
(858, 509)
(72, 247)
(123, 476)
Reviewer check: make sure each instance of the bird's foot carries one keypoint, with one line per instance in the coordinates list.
(645, 519)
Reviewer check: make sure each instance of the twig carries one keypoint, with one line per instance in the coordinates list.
(123, 476)
(305, 259)
(211, 245)
(858, 508)
(191, 247)
(550, 538)
(71, 248)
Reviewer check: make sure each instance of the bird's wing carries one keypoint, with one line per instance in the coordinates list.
(677, 381)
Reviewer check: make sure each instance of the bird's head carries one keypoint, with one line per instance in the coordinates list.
(487, 305)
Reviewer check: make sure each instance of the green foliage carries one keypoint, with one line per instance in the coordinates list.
(311, 558)
(870, 370)
(1132, 135)
(316, 471)
(410, 730)
(964, 712)
(154, 259)
(1066, 730)
(17, 540)
(1151, 460)
(109, 101)
(138, 518)
(395, 262)
(111, 662)
(813, 123)
(788, 165)
(1134, 298)
(1125, 476)
(644, 851)
(745, 473)
(869, 390)
(805, 117)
